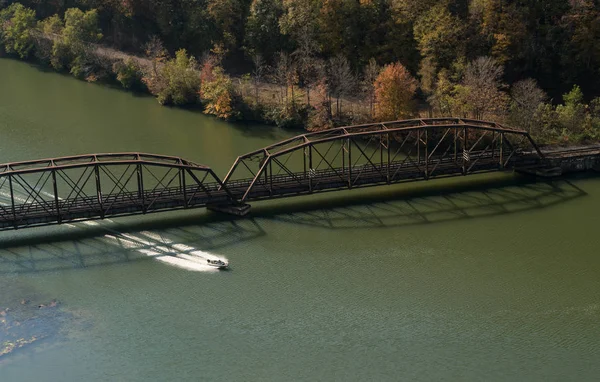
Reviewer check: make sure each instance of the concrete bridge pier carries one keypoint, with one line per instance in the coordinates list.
(241, 209)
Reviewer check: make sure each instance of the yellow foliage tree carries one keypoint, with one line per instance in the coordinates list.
(219, 95)
(394, 92)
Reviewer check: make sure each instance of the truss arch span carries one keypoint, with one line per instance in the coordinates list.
(95, 186)
(379, 153)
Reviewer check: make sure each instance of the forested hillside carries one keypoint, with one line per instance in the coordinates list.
(534, 64)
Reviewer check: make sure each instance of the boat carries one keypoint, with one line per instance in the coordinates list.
(218, 263)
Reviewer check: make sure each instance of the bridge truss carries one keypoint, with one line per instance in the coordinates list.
(97, 186)
(379, 153)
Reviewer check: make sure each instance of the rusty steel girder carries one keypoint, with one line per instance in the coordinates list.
(379, 153)
(86, 187)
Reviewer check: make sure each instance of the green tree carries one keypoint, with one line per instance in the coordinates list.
(572, 114)
(263, 35)
(128, 73)
(175, 82)
(439, 35)
(71, 48)
(16, 27)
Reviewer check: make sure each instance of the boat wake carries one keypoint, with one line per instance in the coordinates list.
(147, 243)
(160, 248)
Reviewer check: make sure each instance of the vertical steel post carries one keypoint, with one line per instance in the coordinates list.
(349, 163)
(140, 181)
(502, 150)
(389, 147)
(455, 146)
(55, 187)
(419, 148)
(266, 172)
(99, 190)
(380, 152)
(183, 187)
(270, 177)
(304, 160)
(426, 153)
(310, 168)
(493, 144)
(464, 169)
(343, 158)
(12, 201)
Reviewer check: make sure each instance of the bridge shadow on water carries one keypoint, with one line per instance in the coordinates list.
(179, 242)
(429, 205)
(187, 241)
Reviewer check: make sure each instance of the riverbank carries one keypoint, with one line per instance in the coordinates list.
(312, 92)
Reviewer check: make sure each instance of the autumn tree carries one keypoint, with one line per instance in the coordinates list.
(218, 94)
(394, 92)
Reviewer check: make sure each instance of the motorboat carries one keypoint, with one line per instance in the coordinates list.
(218, 263)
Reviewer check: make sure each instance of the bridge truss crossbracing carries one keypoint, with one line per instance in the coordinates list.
(86, 187)
(379, 153)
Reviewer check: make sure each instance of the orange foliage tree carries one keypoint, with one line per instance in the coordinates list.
(394, 92)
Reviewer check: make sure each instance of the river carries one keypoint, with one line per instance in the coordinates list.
(491, 277)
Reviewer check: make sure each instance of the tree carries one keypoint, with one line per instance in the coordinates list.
(219, 95)
(285, 75)
(572, 114)
(263, 35)
(16, 26)
(229, 16)
(71, 48)
(439, 35)
(300, 19)
(482, 88)
(526, 98)
(155, 50)
(128, 73)
(258, 74)
(394, 92)
(370, 74)
(176, 81)
(341, 80)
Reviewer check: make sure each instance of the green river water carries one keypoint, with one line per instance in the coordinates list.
(485, 278)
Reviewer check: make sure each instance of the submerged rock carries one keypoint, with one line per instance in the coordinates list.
(23, 325)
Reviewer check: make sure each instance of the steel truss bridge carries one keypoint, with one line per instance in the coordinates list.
(97, 186)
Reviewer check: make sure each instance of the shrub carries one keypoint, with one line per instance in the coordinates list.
(176, 82)
(128, 73)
